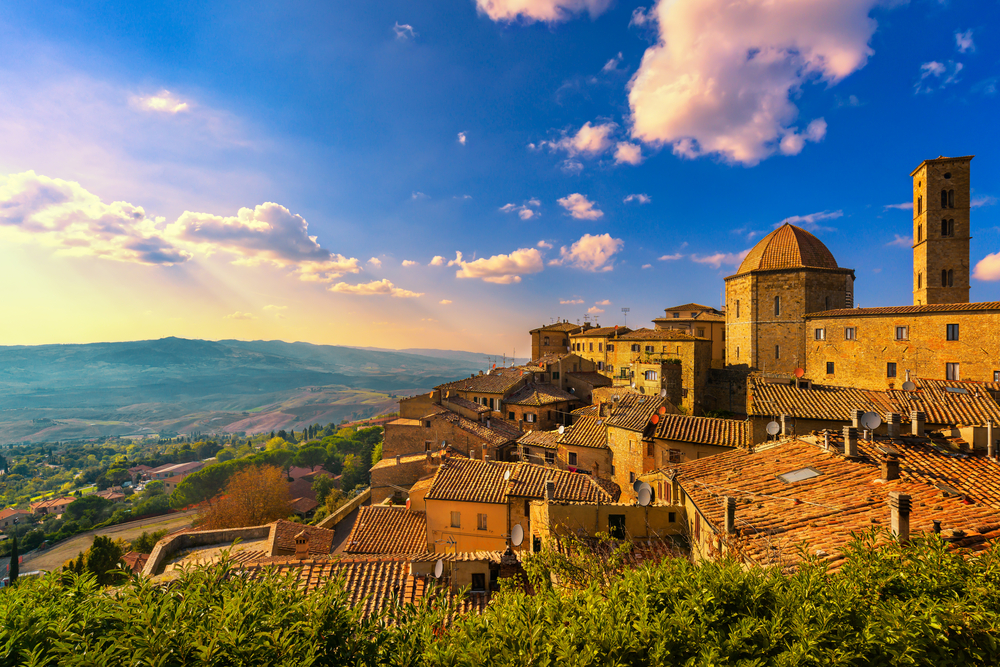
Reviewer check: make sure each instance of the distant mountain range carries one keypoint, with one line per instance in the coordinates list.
(166, 384)
(457, 355)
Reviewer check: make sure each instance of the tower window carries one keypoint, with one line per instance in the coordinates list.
(920, 233)
(951, 372)
(951, 199)
(737, 308)
(944, 278)
(947, 176)
(920, 205)
(777, 352)
(890, 369)
(920, 279)
(952, 332)
(777, 306)
(947, 227)
(829, 368)
(944, 199)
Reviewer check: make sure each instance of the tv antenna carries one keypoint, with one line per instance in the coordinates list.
(625, 312)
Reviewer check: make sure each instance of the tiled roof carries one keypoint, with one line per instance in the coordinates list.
(387, 530)
(633, 411)
(10, 511)
(467, 404)
(497, 381)
(557, 326)
(585, 410)
(593, 378)
(54, 502)
(499, 432)
(546, 360)
(303, 505)
(483, 482)
(546, 439)
(601, 332)
(588, 431)
(689, 306)
(704, 430)
(788, 247)
(539, 394)
(774, 518)
(135, 561)
(658, 334)
(907, 310)
(282, 538)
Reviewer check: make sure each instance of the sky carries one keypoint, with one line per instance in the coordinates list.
(452, 174)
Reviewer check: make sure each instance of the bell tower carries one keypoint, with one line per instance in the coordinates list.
(941, 231)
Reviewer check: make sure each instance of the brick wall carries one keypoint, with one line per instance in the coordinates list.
(388, 474)
(629, 454)
(932, 251)
(595, 459)
(410, 438)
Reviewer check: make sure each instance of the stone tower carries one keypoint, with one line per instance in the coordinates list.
(941, 229)
(788, 274)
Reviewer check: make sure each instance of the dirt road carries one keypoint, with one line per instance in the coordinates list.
(63, 551)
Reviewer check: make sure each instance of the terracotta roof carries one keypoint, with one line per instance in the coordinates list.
(282, 538)
(303, 505)
(774, 518)
(481, 482)
(499, 432)
(704, 430)
(601, 332)
(547, 359)
(533, 394)
(467, 404)
(546, 439)
(907, 310)
(10, 511)
(634, 410)
(788, 247)
(380, 529)
(557, 326)
(54, 502)
(689, 306)
(135, 561)
(587, 431)
(658, 334)
(594, 378)
(497, 381)
(585, 410)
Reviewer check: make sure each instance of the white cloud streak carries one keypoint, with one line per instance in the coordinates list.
(638, 198)
(963, 42)
(901, 241)
(375, 288)
(549, 11)
(403, 31)
(812, 220)
(718, 259)
(162, 102)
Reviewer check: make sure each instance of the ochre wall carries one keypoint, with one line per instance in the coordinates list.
(468, 537)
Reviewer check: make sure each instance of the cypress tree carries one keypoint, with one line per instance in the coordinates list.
(13, 563)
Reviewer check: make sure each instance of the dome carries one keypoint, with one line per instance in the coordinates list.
(788, 247)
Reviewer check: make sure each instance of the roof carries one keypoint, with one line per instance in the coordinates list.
(775, 518)
(135, 561)
(53, 502)
(11, 511)
(380, 529)
(499, 432)
(659, 334)
(601, 332)
(689, 306)
(497, 381)
(593, 378)
(558, 326)
(282, 538)
(588, 431)
(906, 310)
(539, 394)
(547, 360)
(108, 494)
(704, 430)
(466, 404)
(941, 158)
(788, 247)
(546, 439)
(633, 411)
(476, 481)
(303, 505)
(176, 468)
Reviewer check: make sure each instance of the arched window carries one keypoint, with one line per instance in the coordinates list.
(920, 205)
(944, 199)
(951, 227)
(951, 276)
(944, 278)
(944, 227)
(951, 199)
(777, 306)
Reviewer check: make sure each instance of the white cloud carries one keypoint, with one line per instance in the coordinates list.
(641, 17)
(628, 153)
(437, 261)
(594, 310)
(500, 269)
(988, 268)
(905, 206)
(545, 245)
(570, 302)
(418, 195)
(612, 64)
(590, 253)
(647, 266)
(375, 288)
(963, 41)
(403, 31)
(549, 11)
(720, 258)
(375, 262)
(571, 166)
(273, 308)
(162, 102)
(534, 202)
(525, 212)
(462, 138)
(444, 302)
(241, 316)
(606, 302)
(410, 262)
(589, 140)
(670, 258)
(901, 241)
(935, 75)
(811, 221)
(638, 198)
(982, 200)
(580, 207)
(721, 77)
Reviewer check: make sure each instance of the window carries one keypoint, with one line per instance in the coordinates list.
(996, 376)
(944, 199)
(944, 278)
(664, 348)
(947, 227)
(777, 306)
(572, 458)
(799, 475)
(829, 368)
(951, 199)
(850, 333)
(920, 233)
(527, 507)
(611, 348)
(672, 517)
(480, 522)
(650, 449)
(676, 315)
(649, 349)
(529, 417)
(952, 332)
(951, 372)
(610, 369)
(456, 519)
(427, 424)
(591, 348)
(555, 376)
(479, 581)
(820, 334)
(635, 347)
(600, 347)
(890, 369)
(920, 279)
(951, 276)
(427, 445)
(777, 352)
(920, 205)
(651, 375)
(902, 333)
(510, 416)
(550, 457)
(600, 365)
(631, 478)
(737, 307)
(616, 525)
(701, 332)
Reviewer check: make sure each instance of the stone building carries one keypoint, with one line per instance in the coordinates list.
(553, 338)
(695, 319)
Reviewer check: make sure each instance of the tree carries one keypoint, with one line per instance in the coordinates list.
(227, 454)
(89, 507)
(322, 486)
(253, 497)
(310, 457)
(12, 571)
(103, 558)
(354, 472)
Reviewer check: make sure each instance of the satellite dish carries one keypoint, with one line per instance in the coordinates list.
(663, 408)
(506, 475)
(438, 569)
(644, 497)
(799, 372)
(647, 487)
(654, 420)
(562, 429)
(517, 535)
(909, 386)
(636, 485)
(773, 428)
(871, 421)
(615, 398)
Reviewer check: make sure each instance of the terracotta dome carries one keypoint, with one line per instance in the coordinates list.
(788, 247)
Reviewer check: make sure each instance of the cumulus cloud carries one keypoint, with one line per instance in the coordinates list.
(627, 153)
(580, 207)
(935, 75)
(375, 262)
(720, 258)
(901, 241)
(963, 41)
(905, 206)
(590, 253)
(418, 195)
(438, 261)
(594, 310)
(162, 102)
(410, 262)
(571, 166)
(670, 258)
(638, 198)
(722, 74)
(606, 302)
(589, 140)
(812, 220)
(550, 11)
(403, 31)
(647, 266)
(988, 268)
(444, 302)
(241, 316)
(525, 211)
(570, 302)
(462, 138)
(375, 288)
(545, 245)
(500, 269)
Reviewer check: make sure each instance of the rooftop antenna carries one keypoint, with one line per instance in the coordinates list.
(625, 311)
(871, 421)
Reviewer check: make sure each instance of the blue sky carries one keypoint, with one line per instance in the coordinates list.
(580, 155)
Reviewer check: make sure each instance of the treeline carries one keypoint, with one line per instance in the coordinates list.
(923, 604)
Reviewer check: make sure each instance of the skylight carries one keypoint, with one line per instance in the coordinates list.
(957, 390)
(799, 475)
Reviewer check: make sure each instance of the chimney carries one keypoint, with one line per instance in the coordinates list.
(991, 444)
(486, 458)
(892, 422)
(826, 440)
(917, 422)
(550, 490)
(302, 545)
(899, 504)
(730, 514)
(398, 459)
(890, 468)
(784, 429)
(937, 526)
(472, 453)
(850, 442)
(429, 456)
(856, 418)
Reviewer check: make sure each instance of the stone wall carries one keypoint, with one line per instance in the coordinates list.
(354, 503)
(170, 545)
(630, 457)
(412, 436)
(934, 252)
(595, 459)
(726, 390)
(387, 474)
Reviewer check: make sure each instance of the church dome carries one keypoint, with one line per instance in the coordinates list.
(788, 247)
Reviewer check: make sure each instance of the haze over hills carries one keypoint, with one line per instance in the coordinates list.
(174, 385)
